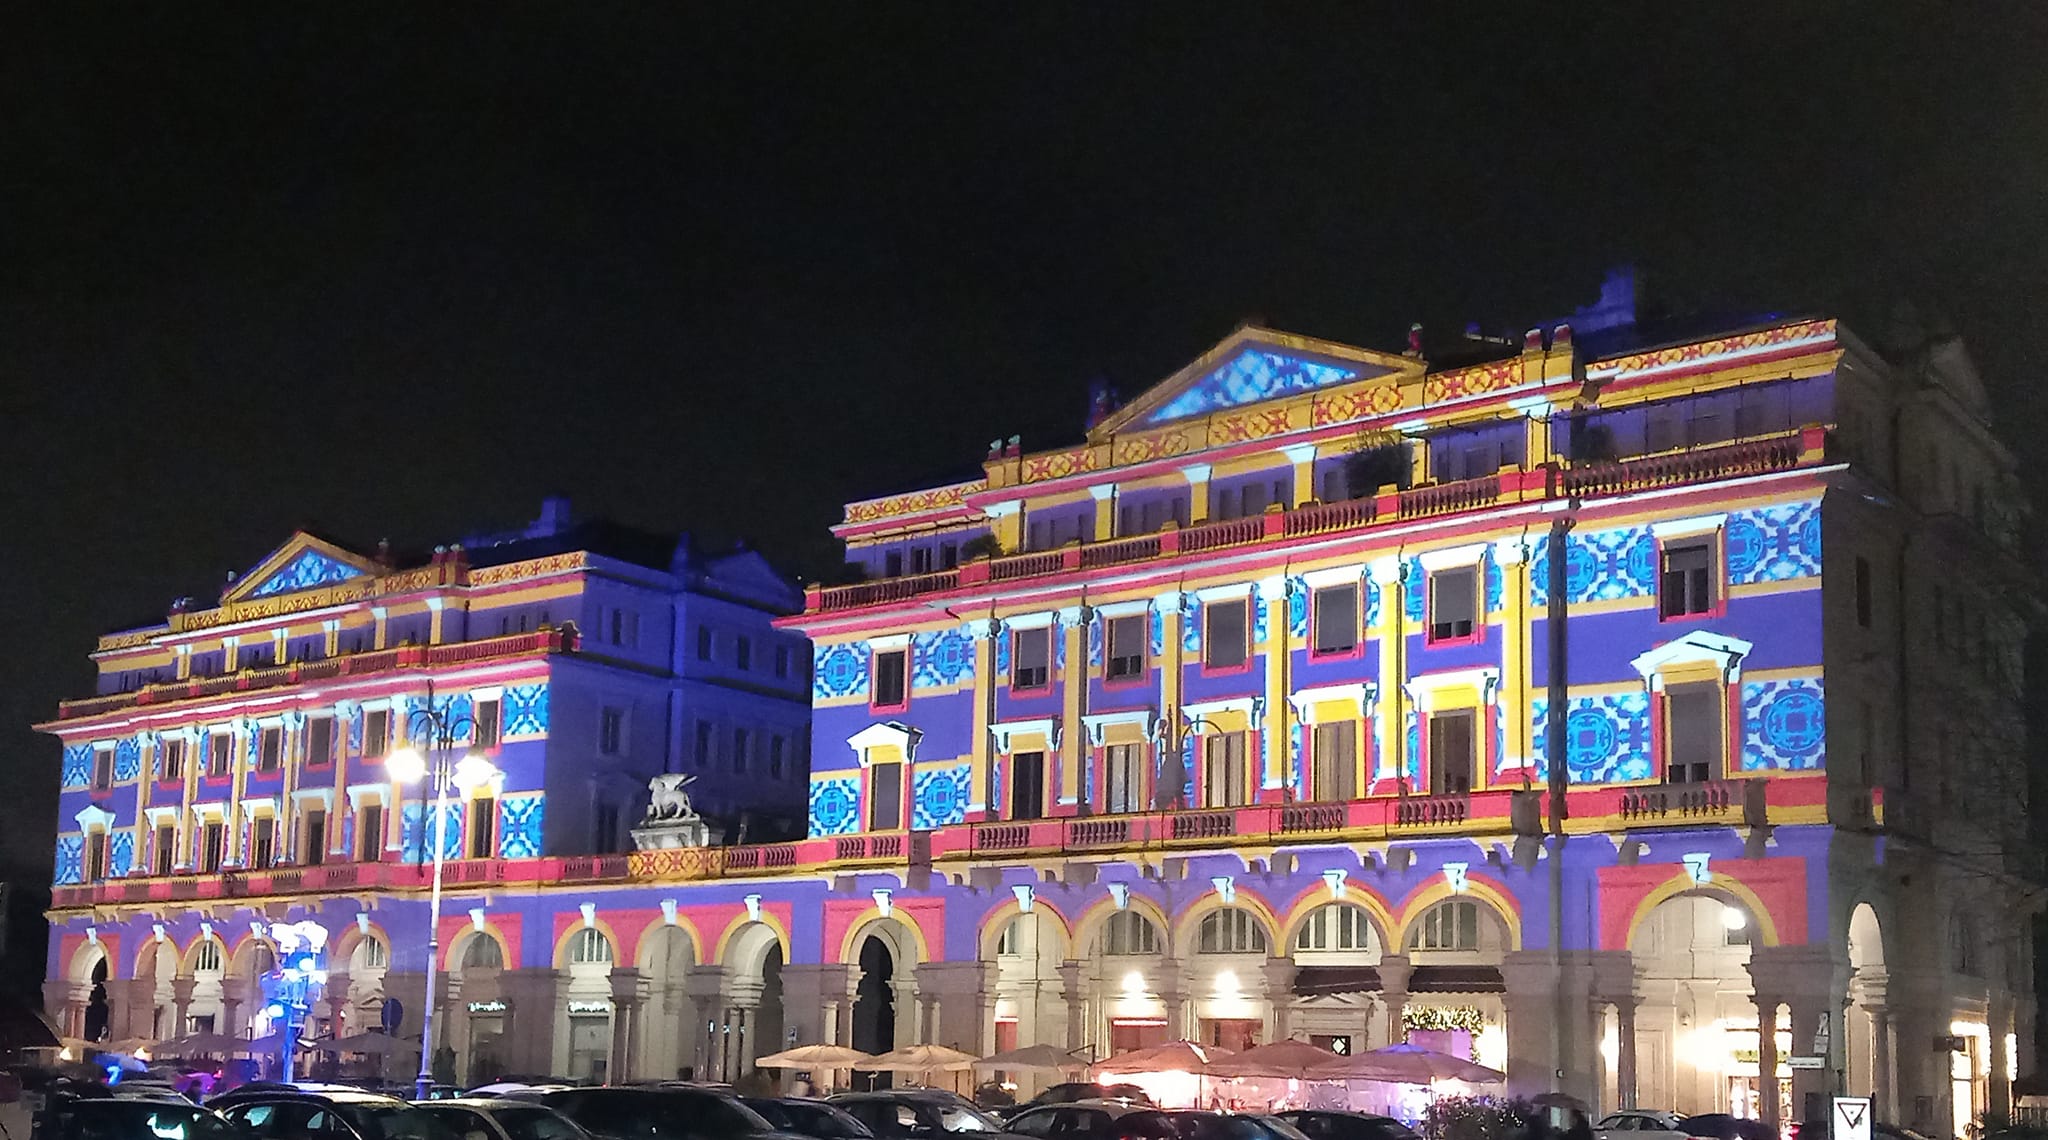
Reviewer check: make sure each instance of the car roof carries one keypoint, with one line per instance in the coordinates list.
(339, 1094)
(478, 1103)
(1114, 1108)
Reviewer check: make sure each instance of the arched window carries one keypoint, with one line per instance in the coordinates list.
(371, 954)
(590, 946)
(483, 953)
(1230, 931)
(1449, 925)
(1335, 926)
(264, 960)
(1011, 938)
(206, 957)
(1128, 932)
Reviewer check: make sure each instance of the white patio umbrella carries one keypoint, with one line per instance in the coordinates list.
(816, 1057)
(1408, 1065)
(1031, 1059)
(920, 1059)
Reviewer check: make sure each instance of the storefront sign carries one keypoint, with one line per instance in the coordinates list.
(590, 1007)
(1805, 1063)
(486, 1007)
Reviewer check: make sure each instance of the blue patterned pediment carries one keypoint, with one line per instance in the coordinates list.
(304, 563)
(1253, 376)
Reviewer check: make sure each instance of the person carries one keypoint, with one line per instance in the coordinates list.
(801, 1086)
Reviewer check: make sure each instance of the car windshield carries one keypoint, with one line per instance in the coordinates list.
(534, 1124)
(144, 1120)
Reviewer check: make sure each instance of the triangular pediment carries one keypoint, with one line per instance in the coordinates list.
(302, 563)
(1252, 366)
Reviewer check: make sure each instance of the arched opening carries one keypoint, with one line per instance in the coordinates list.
(768, 1034)
(1866, 1046)
(749, 1020)
(1698, 1037)
(1029, 947)
(158, 964)
(482, 1020)
(243, 1007)
(206, 963)
(1455, 987)
(588, 956)
(874, 1003)
(1336, 949)
(1125, 955)
(96, 1008)
(667, 955)
(1227, 978)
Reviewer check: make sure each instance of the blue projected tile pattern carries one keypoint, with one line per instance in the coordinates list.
(939, 797)
(1372, 604)
(839, 670)
(1251, 376)
(77, 766)
(1415, 590)
(835, 805)
(1607, 738)
(1784, 725)
(1775, 543)
(525, 710)
(1095, 636)
(416, 840)
(1297, 608)
(1600, 565)
(70, 866)
(121, 854)
(311, 568)
(1158, 634)
(941, 658)
(519, 826)
(1003, 638)
(1493, 586)
(127, 758)
(1191, 625)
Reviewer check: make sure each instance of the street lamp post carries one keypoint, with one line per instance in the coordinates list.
(440, 728)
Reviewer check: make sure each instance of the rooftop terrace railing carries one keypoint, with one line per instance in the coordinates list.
(1313, 519)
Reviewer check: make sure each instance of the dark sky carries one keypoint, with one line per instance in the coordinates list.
(401, 270)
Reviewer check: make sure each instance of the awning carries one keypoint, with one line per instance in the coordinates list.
(1319, 981)
(1456, 980)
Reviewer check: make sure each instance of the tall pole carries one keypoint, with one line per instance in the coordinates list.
(1557, 614)
(439, 774)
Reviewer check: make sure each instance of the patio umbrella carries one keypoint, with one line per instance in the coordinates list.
(201, 1045)
(130, 1045)
(816, 1057)
(1032, 1059)
(1408, 1065)
(377, 1044)
(920, 1059)
(1285, 1059)
(1172, 1057)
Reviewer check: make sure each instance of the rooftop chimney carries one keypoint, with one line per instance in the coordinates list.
(554, 517)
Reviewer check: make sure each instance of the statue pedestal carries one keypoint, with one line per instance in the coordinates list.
(668, 834)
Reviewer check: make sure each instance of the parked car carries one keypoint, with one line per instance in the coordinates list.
(1721, 1126)
(137, 1118)
(1158, 1124)
(1079, 1120)
(294, 1113)
(657, 1112)
(1071, 1091)
(1639, 1124)
(500, 1118)
(1318, 1124)
(812, 1118)
(892, 1114)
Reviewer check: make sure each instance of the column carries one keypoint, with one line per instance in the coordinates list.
(1174, 997)
(1071, 989)
(181, 1000)
(1197, 475)
(1625, 1053)
(233, 995)
(1767, 1056)
(1275, 735)
(1303, 456)
(1533, 978)
(1280, 996)
(1391, 725)
(530, 999)
(1071, 624)
(628, 991)
(57, 1004)
(984, 677)
(1881, 1061)
(1998, 1088)
(1394, 971)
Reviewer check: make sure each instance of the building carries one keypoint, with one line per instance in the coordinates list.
(1346, 695)
(236, 752)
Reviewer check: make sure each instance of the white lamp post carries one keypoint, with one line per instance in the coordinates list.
(440, 729)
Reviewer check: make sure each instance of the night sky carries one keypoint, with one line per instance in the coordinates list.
(402, 270)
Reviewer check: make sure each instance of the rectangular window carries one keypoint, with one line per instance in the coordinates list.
(782, 662)
(1123, 785)
(1333, 774)
(892, 564)
(95, 856)
(704, 744)
(213, 847)
(171, 763)
(263, 843)
(1224, 779)
(1693, 731)
(776, 747)
(921, 560)
(1336, 620)
(949, 555)
(892, 675)
(164, 855)
(1223, 634)
(611, 731)
(1686, 584)
(618, 627)
(314, 851)
(739, 749)
(483, 828)
(376, 733)
(320, 741)
(220, 754)
(1451, 747)
(1031, 658)
(743, 652)
(1225, 506)
(370, 833)
(703, 643)
(885, 796)
(103, 768)
(1027, 785)
(269, 749)
(1126, 652)
(488, 717)
(604, 828)
(1863, 591)
(1453, 603)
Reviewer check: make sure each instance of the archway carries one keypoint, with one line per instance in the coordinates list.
(874, 1003)
(1027, 948)
(482, 1051)
(748, 1021)
(1127, 954)
(1336, 950)
(1454, 949)
(668, 1034)
(586, 956)
(96, 1007)
(1866, 1042)
(1698, 1038)
(156, 964)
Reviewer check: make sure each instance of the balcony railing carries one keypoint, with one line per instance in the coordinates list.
(1547, 481)
(545, 641)
(1755, 801)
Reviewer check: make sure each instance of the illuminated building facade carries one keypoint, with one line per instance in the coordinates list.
(1238, 721)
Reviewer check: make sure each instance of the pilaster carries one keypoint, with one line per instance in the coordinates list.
(984, 633)
(1276, 735)
(1073, 627)
(962, 998)
(1389, 634)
